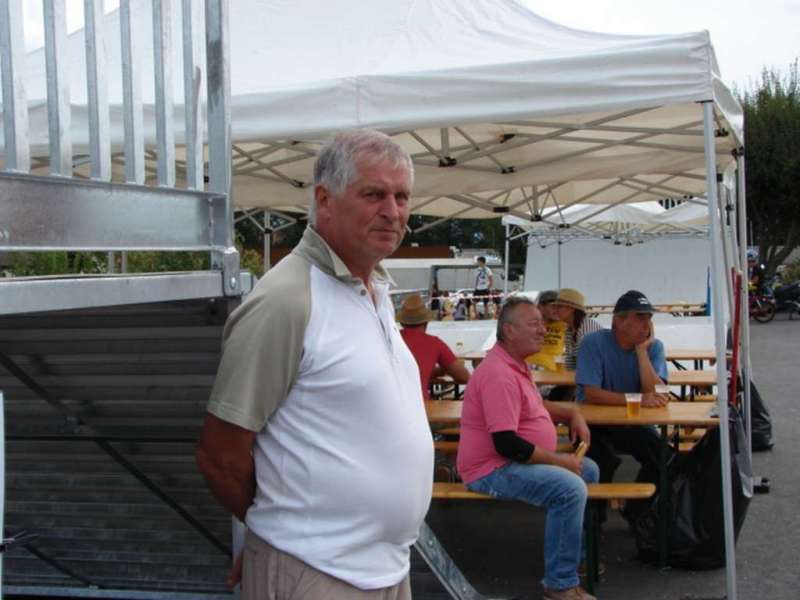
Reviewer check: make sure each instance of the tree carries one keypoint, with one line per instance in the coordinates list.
(772, 153)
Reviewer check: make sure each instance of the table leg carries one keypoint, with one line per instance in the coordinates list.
(663, 500)
(592, 541)
(446, 571)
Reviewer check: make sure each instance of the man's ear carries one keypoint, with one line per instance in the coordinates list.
(322, 199)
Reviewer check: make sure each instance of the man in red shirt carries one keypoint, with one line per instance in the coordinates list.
(508, 445)
(433, 356)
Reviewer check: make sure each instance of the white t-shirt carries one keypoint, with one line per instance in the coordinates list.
(344, 459)
(482, 278)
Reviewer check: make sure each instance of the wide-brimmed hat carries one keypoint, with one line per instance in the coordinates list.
(413, 311)
(633, 301)
(572, 298)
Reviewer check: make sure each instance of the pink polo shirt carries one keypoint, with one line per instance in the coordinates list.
(500, 396)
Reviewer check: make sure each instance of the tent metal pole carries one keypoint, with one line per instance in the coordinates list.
(505, 263)
(267, 241)
(560, 243)
(715, 230)
(742, 210)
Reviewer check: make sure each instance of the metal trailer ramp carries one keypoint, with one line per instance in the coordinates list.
(103, 410)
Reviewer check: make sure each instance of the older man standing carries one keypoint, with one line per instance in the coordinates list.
(508, 445)
(316, 434)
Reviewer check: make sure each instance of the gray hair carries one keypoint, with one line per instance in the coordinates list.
(335, 167)
(507, 312)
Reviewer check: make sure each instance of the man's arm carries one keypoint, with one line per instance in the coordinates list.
(224, 457)
(647, 372)
(513, 447)
(597, 395)
(570, 414)
(457, 371)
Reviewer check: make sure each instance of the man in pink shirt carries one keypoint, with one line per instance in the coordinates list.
(508, 445)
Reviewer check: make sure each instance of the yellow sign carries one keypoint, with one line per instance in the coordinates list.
(553, 348)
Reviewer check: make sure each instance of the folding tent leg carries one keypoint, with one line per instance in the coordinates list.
(446, 571)
(716, 230)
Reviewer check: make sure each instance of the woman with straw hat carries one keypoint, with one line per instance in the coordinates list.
(571, 308)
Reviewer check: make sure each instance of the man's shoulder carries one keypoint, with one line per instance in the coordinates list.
(597, 338)
(285, 289)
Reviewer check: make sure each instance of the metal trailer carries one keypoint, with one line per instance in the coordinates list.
(105, 378)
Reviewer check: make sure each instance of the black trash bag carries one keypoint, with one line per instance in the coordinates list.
(761, 422)
(696, 526)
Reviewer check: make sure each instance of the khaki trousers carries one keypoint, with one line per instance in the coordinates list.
(270, 574)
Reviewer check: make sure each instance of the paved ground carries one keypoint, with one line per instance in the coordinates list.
(499, 546)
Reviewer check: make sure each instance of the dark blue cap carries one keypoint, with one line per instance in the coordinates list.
(633, 301)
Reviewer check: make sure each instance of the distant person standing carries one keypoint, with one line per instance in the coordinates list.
(755, 272)
(484, 281)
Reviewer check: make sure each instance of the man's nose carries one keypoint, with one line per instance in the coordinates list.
(390, 208)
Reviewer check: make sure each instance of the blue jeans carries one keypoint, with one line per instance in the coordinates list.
(563, 494)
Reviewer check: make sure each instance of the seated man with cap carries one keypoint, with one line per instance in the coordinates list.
(625, 359)
(433, 356)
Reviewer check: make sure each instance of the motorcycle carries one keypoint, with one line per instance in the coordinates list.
(762, 306)
(787, 299)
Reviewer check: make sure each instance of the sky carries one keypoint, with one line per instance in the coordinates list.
(747, 35)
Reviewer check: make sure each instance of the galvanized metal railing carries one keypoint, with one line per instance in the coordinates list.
(64, 210)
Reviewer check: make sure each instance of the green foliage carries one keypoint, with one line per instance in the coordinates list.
(26, 264)
(792, 272)
(160, 262)
(252, 261)
(772, 159)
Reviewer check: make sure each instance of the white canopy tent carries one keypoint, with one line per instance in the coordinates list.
(502, 109)
(504, 113)
(623, 223)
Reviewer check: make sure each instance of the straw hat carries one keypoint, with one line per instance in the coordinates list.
(413, 311)
(572, 298)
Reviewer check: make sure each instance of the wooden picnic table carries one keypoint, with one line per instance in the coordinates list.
(675, 308)
(684, 414)
(697, 355)
(704, 378)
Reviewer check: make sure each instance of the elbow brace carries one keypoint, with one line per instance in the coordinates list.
(512, 447)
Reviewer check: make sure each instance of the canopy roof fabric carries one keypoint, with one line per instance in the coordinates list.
(501, 109)
(621, 223)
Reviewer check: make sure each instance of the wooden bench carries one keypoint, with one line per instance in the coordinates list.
(596, 491)
(561, 430)
(451, 447)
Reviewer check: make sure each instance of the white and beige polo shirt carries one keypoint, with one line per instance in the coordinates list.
(343, 455)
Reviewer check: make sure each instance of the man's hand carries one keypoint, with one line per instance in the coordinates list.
(570, 462)
(235, 574)
(651, 337)
(653, 400)
(578, 429)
